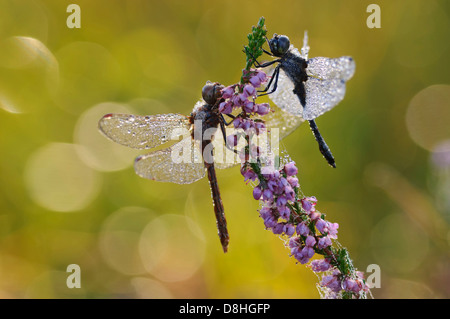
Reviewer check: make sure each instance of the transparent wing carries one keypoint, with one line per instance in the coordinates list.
(182, 163)
(224, 157)
(284, 96)
(341, 68)
(286, 107)
(143, 132)
(322, 96)
(325, 86)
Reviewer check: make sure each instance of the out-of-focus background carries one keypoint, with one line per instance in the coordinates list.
(70, 196)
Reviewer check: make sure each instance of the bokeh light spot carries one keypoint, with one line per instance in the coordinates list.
(147, 288)
(58, 180)
(398, 244)
(428, 116)
(119, 239)
(169, 249)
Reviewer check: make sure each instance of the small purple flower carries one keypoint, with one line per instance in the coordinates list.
(284, 212)
(259, 126)
(314, 215)
(249, 107)
(321, 225)
(228, 92)
(294, 242)
(270, 222)
(351, 285)
(249, 90)
(324, 242)
(310, 241)
(255, 81)
(292, 180)
(302, 229)
(267, 195)
(332, 230)
(278, 229)
(261, 75)
(262, 109)
(290, 169)
(265, 212)
(308, 203)
(332, 282)
(320, 265)
(248, 174)
(257, 192)
(306, 254)
(289, 229)
(281, 200)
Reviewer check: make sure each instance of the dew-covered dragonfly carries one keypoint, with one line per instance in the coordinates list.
(306, 87)
(202, 149)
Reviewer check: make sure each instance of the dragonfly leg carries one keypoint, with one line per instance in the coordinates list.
(229, 115)
(263, 65)
(222, 128)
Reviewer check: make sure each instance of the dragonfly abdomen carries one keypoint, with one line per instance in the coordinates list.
(218, 206)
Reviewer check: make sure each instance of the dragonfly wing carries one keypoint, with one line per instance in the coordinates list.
(143, 132)
(281, 120)
(284, 96)
(286, 107)
(224, 157)
(325, 86)
(341, 68)
(182, 163)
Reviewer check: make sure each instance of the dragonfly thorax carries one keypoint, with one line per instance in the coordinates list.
(205, 120)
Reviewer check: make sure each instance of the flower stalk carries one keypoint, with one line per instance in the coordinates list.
(284, 209)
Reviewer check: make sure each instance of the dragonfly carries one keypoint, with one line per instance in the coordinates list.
(185, 161)
(202, 149)
(305, 87)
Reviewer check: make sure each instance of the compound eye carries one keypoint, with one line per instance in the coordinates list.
(283, 44)
(279, 45)
(211, 92)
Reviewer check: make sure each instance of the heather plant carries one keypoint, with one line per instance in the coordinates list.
(284, 209)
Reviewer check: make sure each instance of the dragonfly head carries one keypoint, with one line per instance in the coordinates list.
(211, 92)
(279, 45)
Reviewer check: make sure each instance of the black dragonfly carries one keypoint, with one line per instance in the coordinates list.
(306, 87)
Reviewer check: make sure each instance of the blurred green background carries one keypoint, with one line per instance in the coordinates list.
(70, 196)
